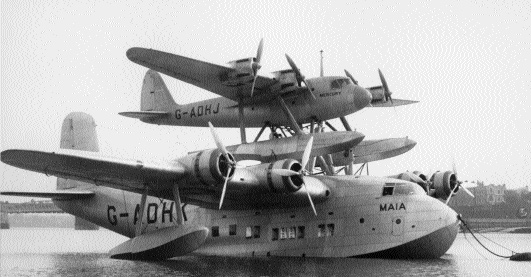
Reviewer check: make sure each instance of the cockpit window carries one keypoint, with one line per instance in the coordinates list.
(402, 189)
(339, 83)
(388, 189)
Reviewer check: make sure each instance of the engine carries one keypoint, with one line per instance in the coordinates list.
(209, 167)
(442, 184)
(414, 178)
(276, 183)
(421, 175)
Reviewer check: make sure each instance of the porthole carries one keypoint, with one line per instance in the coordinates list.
(398, 221)
(362, 220)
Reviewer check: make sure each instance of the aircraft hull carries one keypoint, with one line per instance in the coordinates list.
(355, 222)
(223, 112)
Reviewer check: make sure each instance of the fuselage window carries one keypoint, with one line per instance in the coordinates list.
(291, 232)
(321, 232)
(232, 230)
(283, 233)
(274, 235)
(339, 83)
(215, 231)
(256, 232)
(330, 230)
(388, 189)
(300, 232)
(248, 232)
(335, 85)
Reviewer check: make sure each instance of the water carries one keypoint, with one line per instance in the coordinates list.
(66, 252)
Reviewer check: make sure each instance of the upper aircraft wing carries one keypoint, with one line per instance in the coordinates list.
(214, 78)
(90, 167)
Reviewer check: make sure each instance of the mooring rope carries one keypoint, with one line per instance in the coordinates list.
(495, 254)
(473, 247)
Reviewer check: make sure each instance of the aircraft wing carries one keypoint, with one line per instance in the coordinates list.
(396, 102)
(374, 150)
(205, 75)
(130, 175)
(59, 195)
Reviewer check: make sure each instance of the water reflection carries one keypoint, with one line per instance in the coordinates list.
(74, 253)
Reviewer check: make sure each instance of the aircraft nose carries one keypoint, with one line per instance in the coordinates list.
(362, 97)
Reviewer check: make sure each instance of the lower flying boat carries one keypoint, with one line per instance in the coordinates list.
(203, 203)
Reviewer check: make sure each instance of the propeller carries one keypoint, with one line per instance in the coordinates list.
(230, 163)
(303, 172)
(458, 184)
(351, 77)
(300, 78)
(256, 64)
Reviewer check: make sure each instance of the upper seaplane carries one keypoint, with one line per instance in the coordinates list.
(248, 99)
(203, 203)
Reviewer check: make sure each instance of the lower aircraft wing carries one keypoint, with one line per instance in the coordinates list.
(374, 150)
(130, 175)
(59, 195)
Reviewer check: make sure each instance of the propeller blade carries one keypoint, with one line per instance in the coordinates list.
(259, 52)
(219, 144)
(449, 197)
(351, 77)
(467, 191)
(306, 153)
(387, 93)
(298, 74)
(256, 64)
(254, 82)
(224, 187)
(309, 90)
(284, 172)
(310, 198)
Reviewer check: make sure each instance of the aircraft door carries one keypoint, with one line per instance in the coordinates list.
(398, 226)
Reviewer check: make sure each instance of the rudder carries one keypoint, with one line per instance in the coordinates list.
(155, 96)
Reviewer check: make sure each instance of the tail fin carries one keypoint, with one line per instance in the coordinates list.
(155, 95)
(79, 133)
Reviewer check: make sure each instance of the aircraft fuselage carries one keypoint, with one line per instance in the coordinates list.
(223, 112)
(358, 220)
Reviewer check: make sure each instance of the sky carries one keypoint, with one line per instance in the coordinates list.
(467, 62)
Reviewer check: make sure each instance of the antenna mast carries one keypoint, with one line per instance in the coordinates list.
(322, 70)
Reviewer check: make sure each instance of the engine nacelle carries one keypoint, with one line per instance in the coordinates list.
(276, 183)
(414, 178)
(421, 175)
(443, 183)
(287, 79)
(209, 167)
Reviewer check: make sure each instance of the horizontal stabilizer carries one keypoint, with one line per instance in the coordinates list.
(162, 244)
(396, 102)
(59, 195)
(145, 114)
